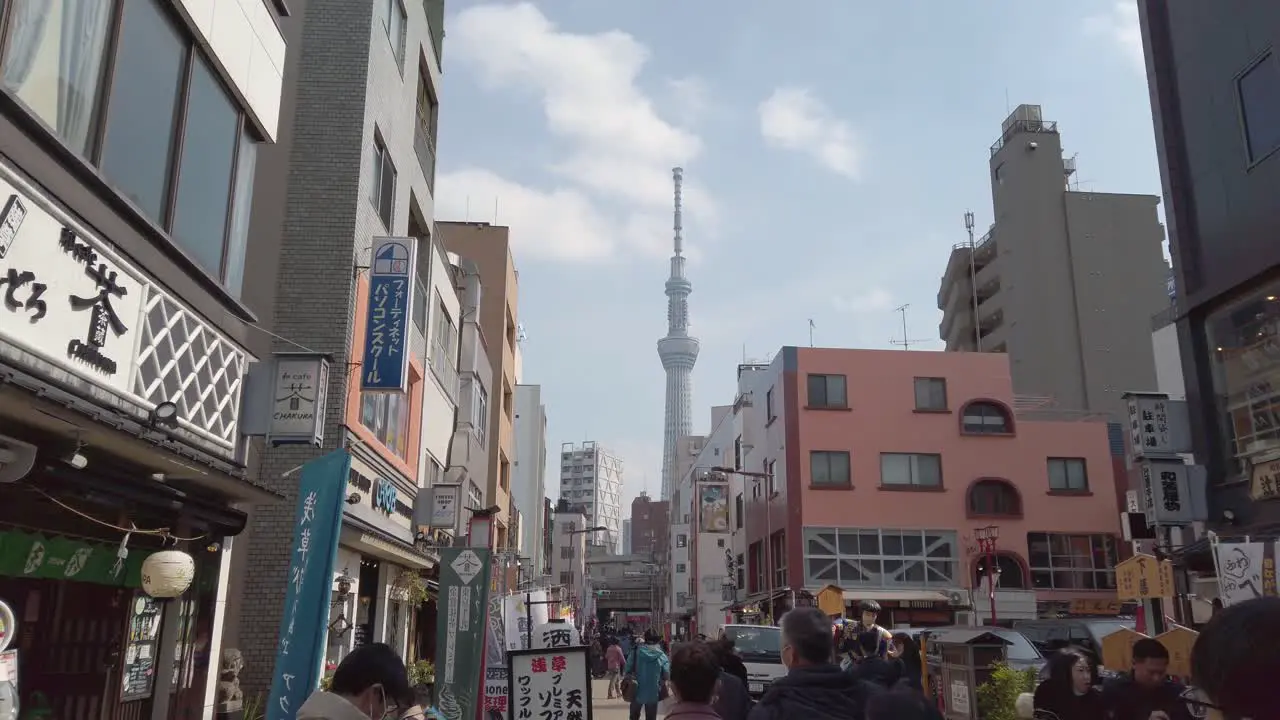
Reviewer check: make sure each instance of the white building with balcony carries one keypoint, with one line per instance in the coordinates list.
(591, 477)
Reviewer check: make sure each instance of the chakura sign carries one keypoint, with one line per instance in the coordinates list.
(392, 273)
(551, 684)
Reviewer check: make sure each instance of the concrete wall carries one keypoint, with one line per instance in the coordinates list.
(528, 474)
(1164, 346)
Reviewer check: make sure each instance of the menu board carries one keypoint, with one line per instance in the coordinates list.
(139, 671)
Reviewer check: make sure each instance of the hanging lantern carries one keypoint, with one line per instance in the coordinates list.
(168, 573)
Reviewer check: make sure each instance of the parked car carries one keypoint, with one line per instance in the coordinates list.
(1020, 653)
(1051, 635)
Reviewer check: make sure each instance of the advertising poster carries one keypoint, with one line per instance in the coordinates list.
(460, 630)
(554, 684)
(713, 508)
(321, 496)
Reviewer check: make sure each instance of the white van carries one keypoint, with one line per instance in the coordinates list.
(760, 647)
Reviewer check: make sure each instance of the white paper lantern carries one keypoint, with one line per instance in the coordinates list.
(168, 573)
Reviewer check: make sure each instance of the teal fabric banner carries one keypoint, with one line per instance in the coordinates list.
(460, 631)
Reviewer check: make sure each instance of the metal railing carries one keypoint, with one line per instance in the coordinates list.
(424, 148)
(1048, 127)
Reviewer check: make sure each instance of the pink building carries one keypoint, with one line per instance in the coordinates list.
(885, 463)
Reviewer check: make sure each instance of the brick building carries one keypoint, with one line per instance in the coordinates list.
(650, 527)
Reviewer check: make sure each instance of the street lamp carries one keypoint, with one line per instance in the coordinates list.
(767, 546)
(987, 537)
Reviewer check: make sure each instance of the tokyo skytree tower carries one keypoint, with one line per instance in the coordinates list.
(679, 353)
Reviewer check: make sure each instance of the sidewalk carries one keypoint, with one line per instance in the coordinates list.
(602, 707)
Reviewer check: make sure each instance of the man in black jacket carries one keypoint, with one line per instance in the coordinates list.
(814, 687)
(1146, 693)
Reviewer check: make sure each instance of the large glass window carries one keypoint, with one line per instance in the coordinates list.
(1244, 346)
(1072, 562)
(238, 237)
(827, 391)
(137, 152)
(1259, 89)
(910, 470)
(386, 415)
(53, 62)
(200, 213)
(880, 558)
(829, 468)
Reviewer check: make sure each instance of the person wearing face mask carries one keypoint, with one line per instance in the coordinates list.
(370, 683)
(814, 688)
(1068, 693)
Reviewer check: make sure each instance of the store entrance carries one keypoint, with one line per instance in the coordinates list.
(70, 639)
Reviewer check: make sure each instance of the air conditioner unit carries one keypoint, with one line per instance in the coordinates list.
(16, 459)
(966, 618)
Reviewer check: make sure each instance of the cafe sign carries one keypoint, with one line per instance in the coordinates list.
(1264, 479)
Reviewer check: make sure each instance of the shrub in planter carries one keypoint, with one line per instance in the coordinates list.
(998, 696)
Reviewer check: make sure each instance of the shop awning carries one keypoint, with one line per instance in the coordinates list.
(924, 595)
(368, 539)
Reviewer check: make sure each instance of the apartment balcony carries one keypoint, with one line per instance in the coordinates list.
(442, 363)
(425, 148)
(468, 450)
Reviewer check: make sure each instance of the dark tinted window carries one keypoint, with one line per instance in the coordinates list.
(150, 62)
(204, 175)
(1260, 107)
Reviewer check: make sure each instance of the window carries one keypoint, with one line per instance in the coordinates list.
(880, 557)
(394, 22)
(1009, 575)
(682, 540)
(910, 470)
(480, 411)
(679, 567)
(566, 578)
(382, 186)
(827, 391)
(829, 468)
(435, 473)
(992, 496)
(474, 496)
(137, 153)
(1246, 376)
(1068, 474)
(420, 305)
(737, 453)
(504, 474)
(242, 204)
(738, 509)
(931, 393)
(1259, 89)
(1072, 562)
(205, 171)
(386, 415)
(984, 418)
(566, 552)
(55, 68)
(770, 415)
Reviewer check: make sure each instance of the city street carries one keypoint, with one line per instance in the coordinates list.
(605, 709)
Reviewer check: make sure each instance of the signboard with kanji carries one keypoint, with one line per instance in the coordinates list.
(831, 600)
(1179, 642)
(549, 684)
(1143, 577)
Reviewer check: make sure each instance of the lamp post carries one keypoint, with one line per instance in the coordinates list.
(767, 545)
(987, 537)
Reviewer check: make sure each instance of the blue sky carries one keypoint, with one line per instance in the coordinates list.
(829, 152)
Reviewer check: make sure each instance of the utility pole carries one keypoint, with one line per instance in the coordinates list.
(906, 342)
(973, 280)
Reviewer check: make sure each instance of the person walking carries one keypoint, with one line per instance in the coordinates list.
(814, 688)
(1068, 693)
(370, 683)
(732, 701)
(650, 667)
(695, 675)
(724, 648)
(614, 658)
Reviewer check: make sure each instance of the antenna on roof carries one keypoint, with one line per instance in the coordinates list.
(906, 342)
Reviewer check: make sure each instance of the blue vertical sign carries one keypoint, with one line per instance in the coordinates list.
(321, 493)
(386, 331)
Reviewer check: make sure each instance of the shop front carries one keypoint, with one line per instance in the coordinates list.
(119, 473)
(380, 575)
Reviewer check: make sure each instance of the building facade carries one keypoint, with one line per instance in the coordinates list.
(529, 475)
(650, 527)
(489, 247)
(469, 454)
(1213, 81)
(354, 165)
(591, 477)
(129, 131)
(1065, 281)
(570, 530)
(878, 468)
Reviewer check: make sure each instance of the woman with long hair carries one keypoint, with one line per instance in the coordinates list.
(907, 650)
(1068, 692)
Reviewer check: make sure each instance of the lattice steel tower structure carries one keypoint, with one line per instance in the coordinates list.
(679, 352)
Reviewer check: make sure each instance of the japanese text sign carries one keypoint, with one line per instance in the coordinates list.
(1166, 492)
(460, 630)
(552, 684)
(299, 399)
(1264, 479)
(1246, 570)
(389, 315)
(1149, 425)
(1142, 577)
(321, 495)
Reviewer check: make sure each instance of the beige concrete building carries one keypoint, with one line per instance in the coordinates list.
(489, 247)
(1065, 281)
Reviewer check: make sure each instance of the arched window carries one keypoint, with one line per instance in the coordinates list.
(992, 496)
(985, 418)
(1009, 574)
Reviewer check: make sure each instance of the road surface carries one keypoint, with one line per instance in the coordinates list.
(605, 709)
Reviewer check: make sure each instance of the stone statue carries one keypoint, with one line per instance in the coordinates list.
(230, 696)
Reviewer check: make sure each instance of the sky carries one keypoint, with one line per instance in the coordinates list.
(830, 154)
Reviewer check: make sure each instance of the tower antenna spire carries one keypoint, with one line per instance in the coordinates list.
(677, 177)
(678, 350)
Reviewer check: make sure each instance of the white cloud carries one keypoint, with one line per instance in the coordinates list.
(792, 118)
(689, 98)
(616, 172)
(1119, 24)
(871, 300)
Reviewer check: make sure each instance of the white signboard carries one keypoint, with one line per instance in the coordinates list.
(554, 684)
(555, 634)
(1166, 493)
(1241, 571)
(298, 401)
(959, 697)
(64, 294)
(1149, 432)
(523, 611)
(444, 506)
